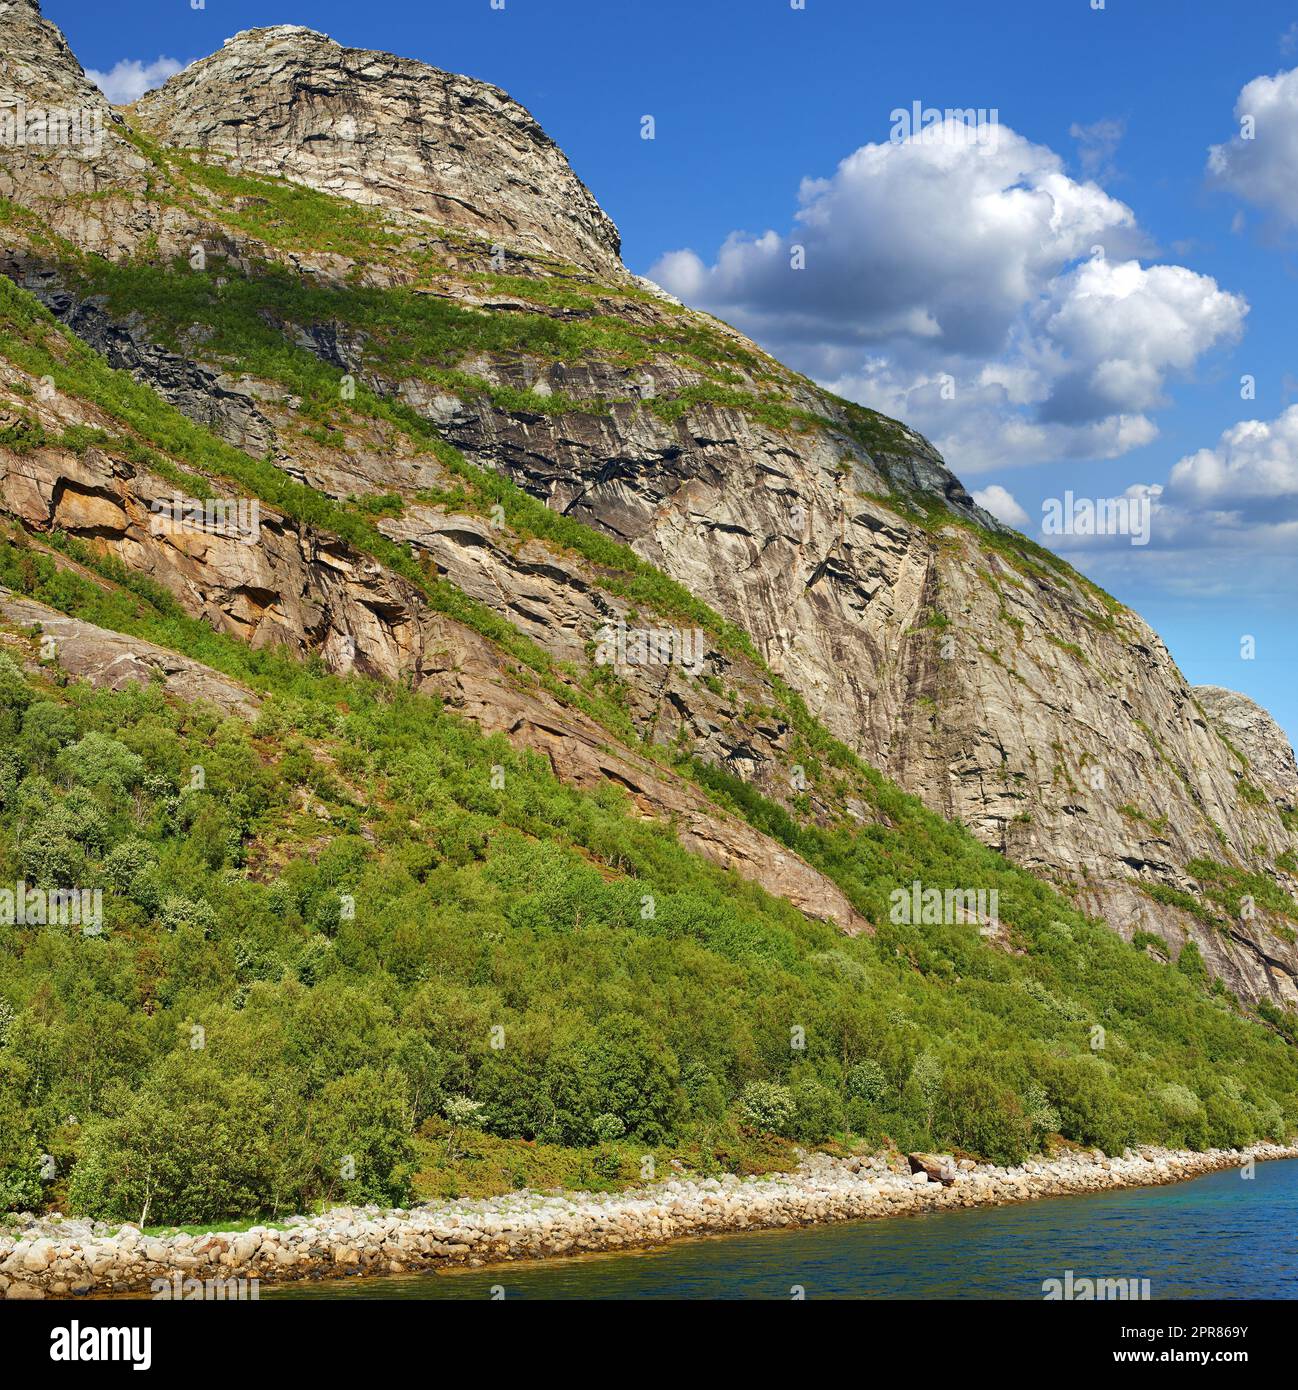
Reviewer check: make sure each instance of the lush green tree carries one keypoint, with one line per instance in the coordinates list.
(46, 729)
(362, 1138)
(96, 760)
(187, 1147)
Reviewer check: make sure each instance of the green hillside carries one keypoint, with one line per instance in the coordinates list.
(354, 950)
(375, 916)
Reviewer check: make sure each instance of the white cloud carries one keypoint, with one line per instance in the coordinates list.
(1220, 509)
(1002, 506)
(936, 242)
(1113, 331)
(1252, 472)
(1140, 516)
(128, 80)
(1259, 163)
(992, 421)
(975, 291)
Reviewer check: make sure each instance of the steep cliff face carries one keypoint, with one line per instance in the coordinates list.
(1257, 740)
(999, 687)
(977, 670)
(298, 588)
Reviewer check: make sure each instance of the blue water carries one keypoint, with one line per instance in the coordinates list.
(1220, 1236)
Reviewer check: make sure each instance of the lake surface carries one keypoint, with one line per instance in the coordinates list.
(1219, 1236)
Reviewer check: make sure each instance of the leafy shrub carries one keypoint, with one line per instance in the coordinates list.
(188, 1147)
(1190, 963)
(1092, 1110)
(177, 912)
(46, 729)
(704, 1094)
(608, 1127)
(867, 1082)
(983, 1115)
(463, 1111)
(1150, 941)
(817, 1112)
(1180, 1102)
(96, 760)
(368, 1122)
(81, 818)
(49, 858)
(15, 696)
(20, 1154)
(767, 1106)
(10, 774)
(1043, 1117)
(622, 1072)
(128, 863)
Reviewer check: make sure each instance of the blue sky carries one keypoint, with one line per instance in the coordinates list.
(1066, 372)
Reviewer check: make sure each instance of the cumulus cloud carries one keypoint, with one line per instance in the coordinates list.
(1103, 523)
(1114, 331)
(976, 291)
(1002, 505)
(1220, 508)
(128, 80)
(936, 241)
(1252, 472)
(1259, 163)
(988, 418)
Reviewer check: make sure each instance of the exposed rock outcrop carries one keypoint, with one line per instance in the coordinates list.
(111, 661)
(1257, 736)
(314, 593)
(1004, 691)
(379, 129)
(72, 161)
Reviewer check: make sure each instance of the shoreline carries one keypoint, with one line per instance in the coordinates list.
(61, 1258)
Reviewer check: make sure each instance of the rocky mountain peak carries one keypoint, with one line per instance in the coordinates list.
(270, 31)
(37, 68)
(389, 132)
(61, 141)
(1256, 735)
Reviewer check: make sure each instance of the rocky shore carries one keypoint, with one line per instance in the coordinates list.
(57, 1257)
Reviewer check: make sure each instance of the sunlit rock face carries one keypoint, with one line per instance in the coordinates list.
(384, 130)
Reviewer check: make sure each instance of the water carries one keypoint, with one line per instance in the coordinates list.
(1219, 1236)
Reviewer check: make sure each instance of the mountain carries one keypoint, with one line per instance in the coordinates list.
(974, 668)
(374, 299)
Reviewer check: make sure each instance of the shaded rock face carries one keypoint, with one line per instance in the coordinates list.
(379, 129)
(1010, 696)
(617, 469)
(222, 405)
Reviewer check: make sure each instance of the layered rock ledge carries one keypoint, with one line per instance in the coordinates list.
(60, 1258)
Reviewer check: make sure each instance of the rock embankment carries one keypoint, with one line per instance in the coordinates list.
(57, 1257)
